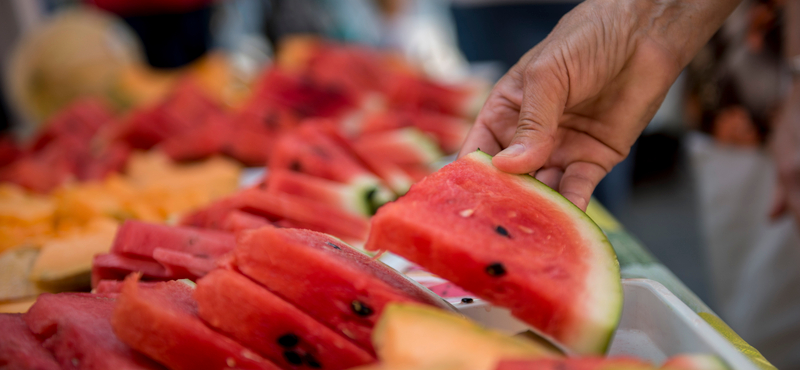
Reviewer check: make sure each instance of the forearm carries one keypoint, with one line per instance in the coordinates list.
(682, 27)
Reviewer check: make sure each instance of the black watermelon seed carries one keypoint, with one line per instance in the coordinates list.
(312, 362)
(502, 231)
(333, 245)
(466, 300)
(360, 309)
(496, 269)
(292, 357)
(288, 340)
(295, 166)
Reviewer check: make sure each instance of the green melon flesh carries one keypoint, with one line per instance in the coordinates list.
(513, 241)
(694, 362)
(410, 336)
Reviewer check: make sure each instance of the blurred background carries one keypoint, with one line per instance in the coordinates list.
(133, 54)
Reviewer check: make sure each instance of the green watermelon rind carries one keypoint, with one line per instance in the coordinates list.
(425, 145)
(608, 272)
(369, 194)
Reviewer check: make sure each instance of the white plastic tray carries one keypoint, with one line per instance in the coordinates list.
(655, 324)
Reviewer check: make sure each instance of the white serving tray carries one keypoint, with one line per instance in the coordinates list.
(655, 325)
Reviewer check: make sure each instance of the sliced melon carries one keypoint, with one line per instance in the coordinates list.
(694, 362)
(513, 241)
(582, 363)
(414, 336)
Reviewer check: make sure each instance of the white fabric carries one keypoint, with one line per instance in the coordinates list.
(755, 262)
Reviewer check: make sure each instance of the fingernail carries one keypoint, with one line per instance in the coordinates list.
(512, 151)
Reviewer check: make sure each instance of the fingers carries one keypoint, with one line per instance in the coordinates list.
(550, 176)
(544, 97)
(479, 137)
(579, 181)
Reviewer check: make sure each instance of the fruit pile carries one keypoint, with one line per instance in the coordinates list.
(275, 297)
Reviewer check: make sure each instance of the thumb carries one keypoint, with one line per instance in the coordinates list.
(544, 95)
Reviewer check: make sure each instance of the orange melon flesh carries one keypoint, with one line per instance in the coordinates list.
(586, 363)
(514, 242)
(694, 362)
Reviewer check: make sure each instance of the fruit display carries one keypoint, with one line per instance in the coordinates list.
(543, 258)
(191, 271)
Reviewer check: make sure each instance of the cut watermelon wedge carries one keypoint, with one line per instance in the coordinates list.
(403, 146)
(76, 328)
(279, 331)
(514, 242)
(334, 194)
(310, 151)
(161, 321)
(237, 221)
(329, 280)
(19, 349)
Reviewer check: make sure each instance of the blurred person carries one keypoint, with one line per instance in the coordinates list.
(571, 108)
(737, 85)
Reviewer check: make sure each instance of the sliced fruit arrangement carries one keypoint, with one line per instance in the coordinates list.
(513, 241)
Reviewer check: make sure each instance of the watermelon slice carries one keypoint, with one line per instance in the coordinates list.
(109, 266)
(237, 221)
(403, 146)
(19, 349)
(586, 363)
(514, 242)
(694, 361)
(251, 315)
(206, 140)
(334, 194)
(307, 268)
(310, 151)
(141, 239)
(76, 328)
(449, 131)
(161, 322)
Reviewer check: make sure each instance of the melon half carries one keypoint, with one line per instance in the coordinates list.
(513, 241)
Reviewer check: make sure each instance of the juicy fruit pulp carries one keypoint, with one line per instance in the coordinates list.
(586, 363)
(279, 331)
(329, 280)
(413, 336)
(513, 241)
(161, 322)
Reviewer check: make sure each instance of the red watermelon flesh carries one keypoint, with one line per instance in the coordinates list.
(79, 120)
(402, 146)
(449, 131)
(213, 216)
(307, 268)
(76, 328)
(98, 165)
(136, 238)
(512, 241)
(183, 264)
(277, 330)
(237, 221)
(111, 266)
(19, 349)
(303, 95)
(204, 141)
(413, 93)
(331, 193)
(161, 321)
(416, 171)
(585, 363)
(115, 286)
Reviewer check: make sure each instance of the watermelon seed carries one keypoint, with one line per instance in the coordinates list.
(75, 362)
(466, 212)
(496, 269)
(502, 231)
(466, 300)
(295, 166)
(288, 340)
(292, 357)
(230, 362)
(360, 309)
(312, 362)
(333, 245)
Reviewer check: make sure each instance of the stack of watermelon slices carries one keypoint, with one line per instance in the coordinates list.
(282, 299)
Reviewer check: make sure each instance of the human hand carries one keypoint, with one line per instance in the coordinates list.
(571, 108)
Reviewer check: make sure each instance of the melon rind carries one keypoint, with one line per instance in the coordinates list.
(585, 326)
(603, 281)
